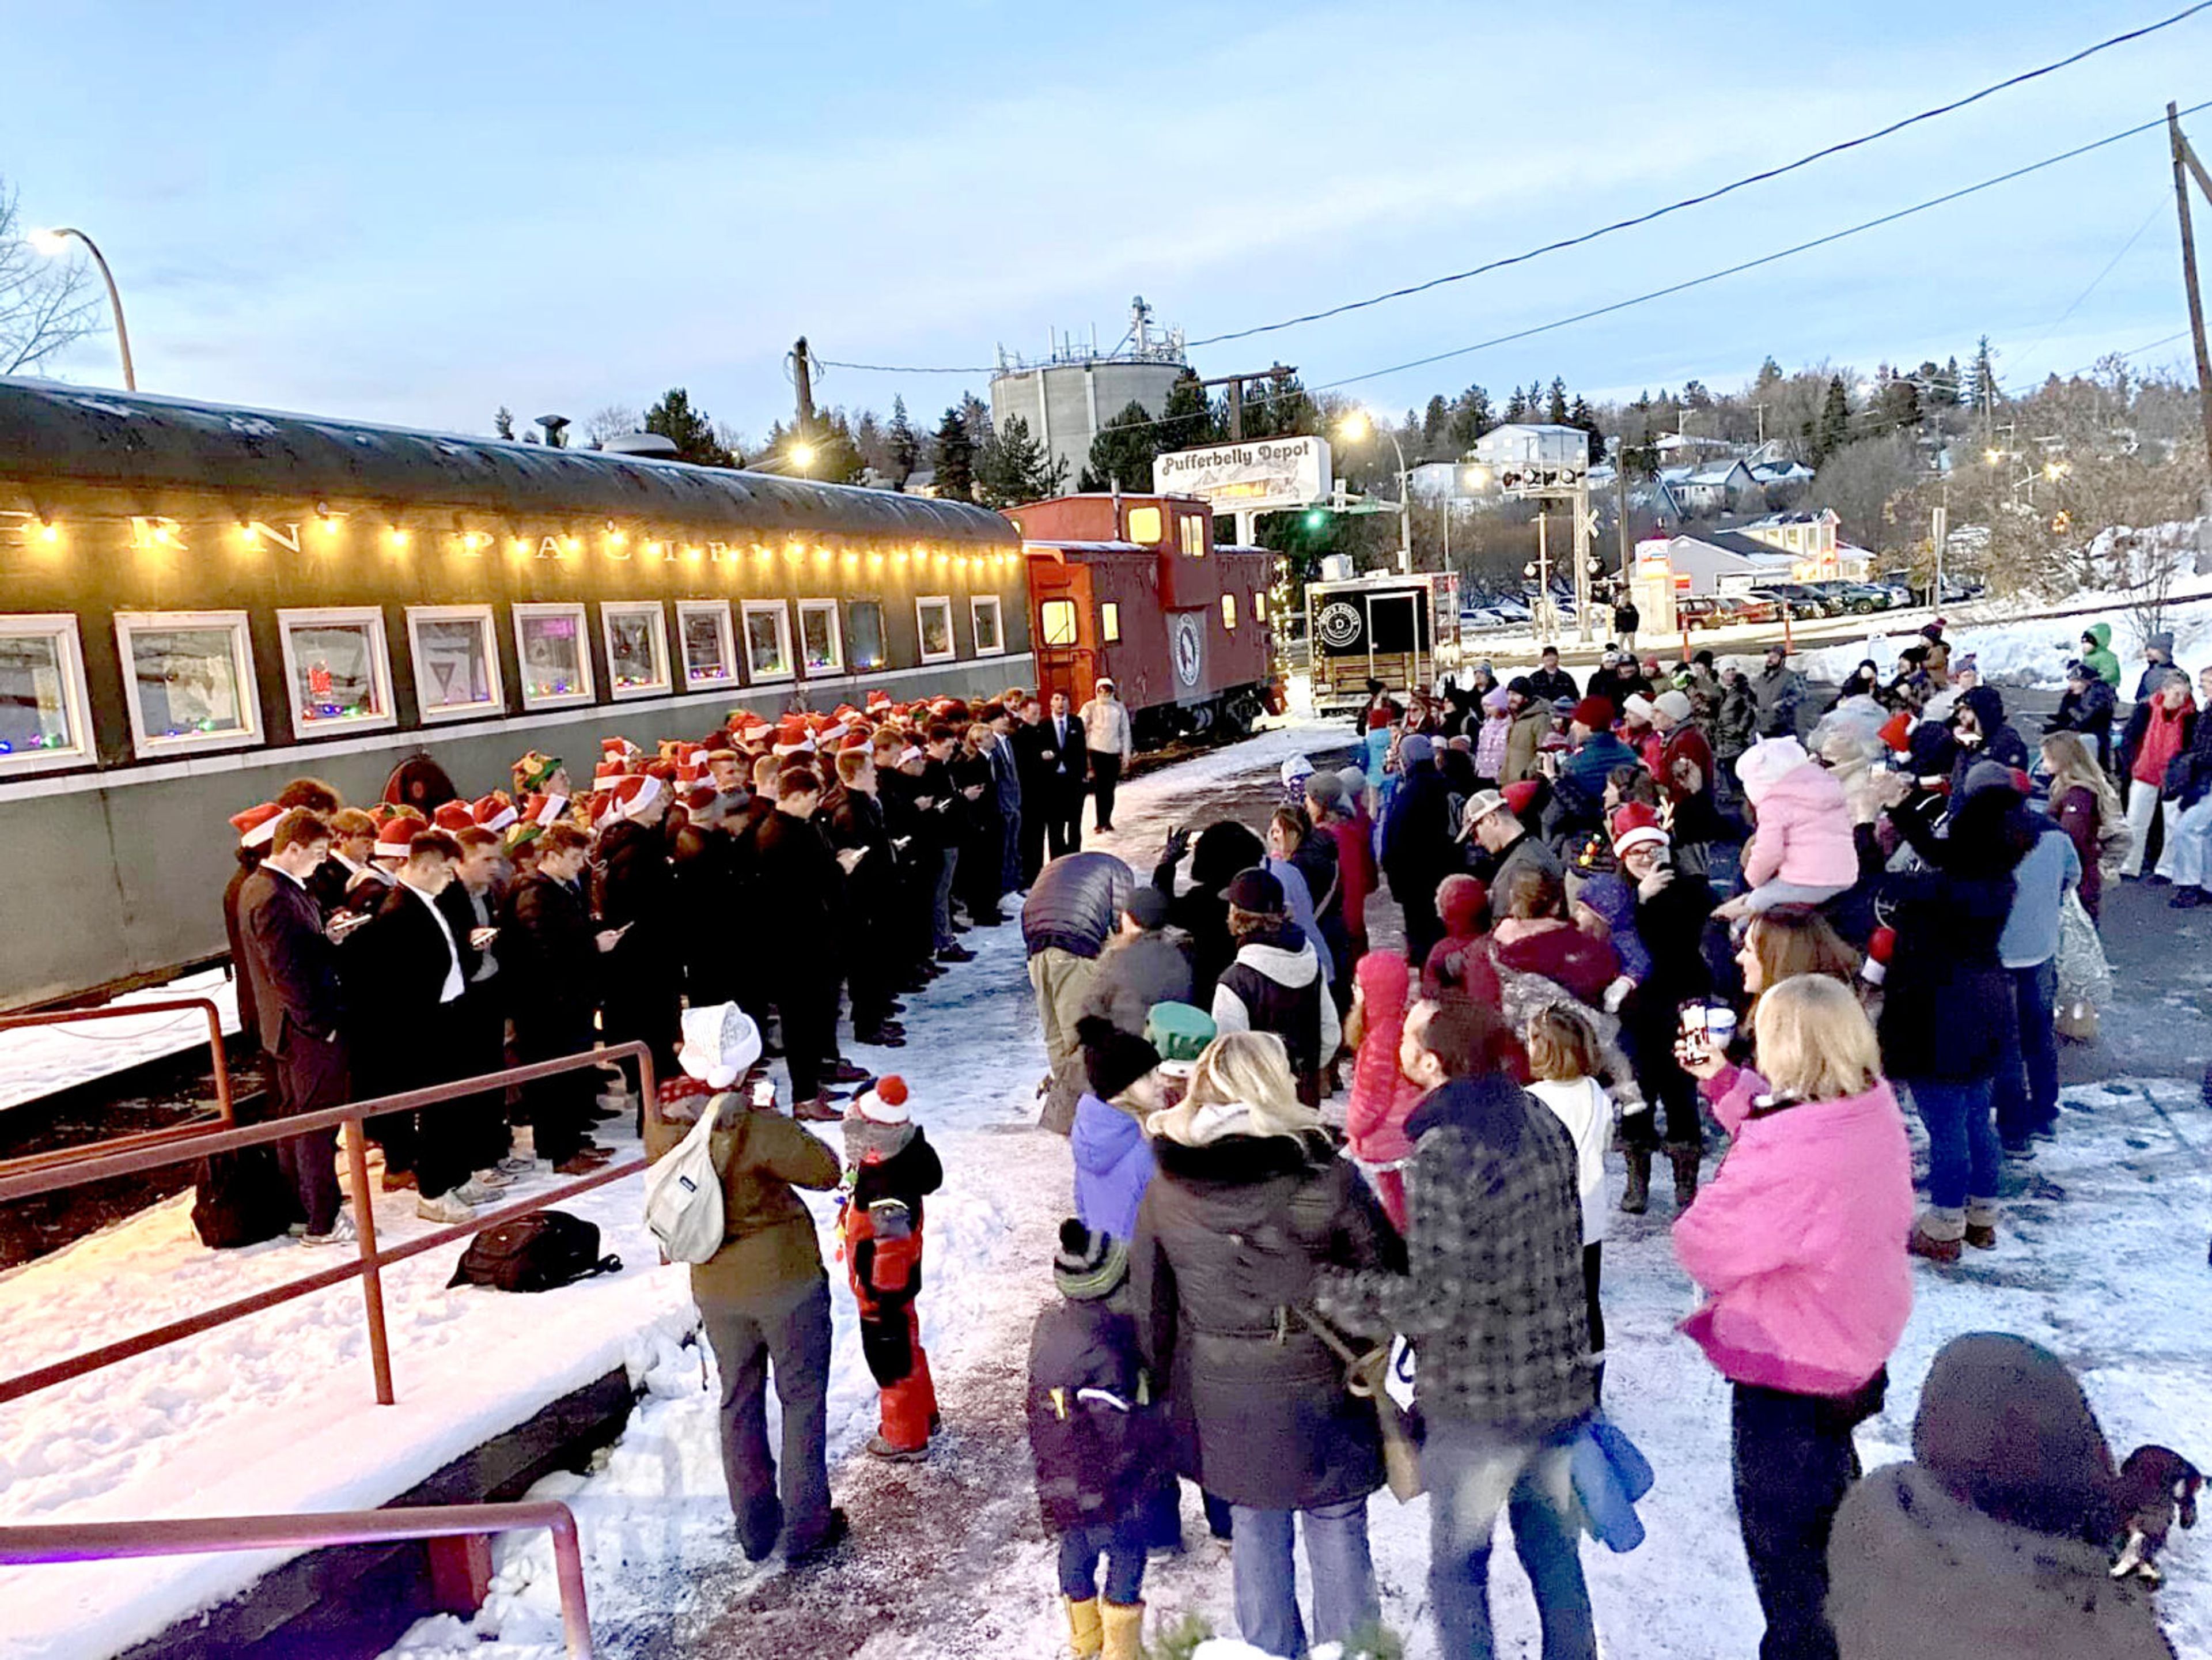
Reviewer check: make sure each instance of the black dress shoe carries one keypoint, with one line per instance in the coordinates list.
(956, 954)
(2187, 898)
(801, 1552)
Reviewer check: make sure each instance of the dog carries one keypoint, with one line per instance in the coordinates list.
(2157, 1487)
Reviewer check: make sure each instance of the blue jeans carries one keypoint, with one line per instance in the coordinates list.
(1121, 1543)
(1471, 1472)
(1267, 1575)
(2021, 1111)
(941, 901)
(1963, 1154)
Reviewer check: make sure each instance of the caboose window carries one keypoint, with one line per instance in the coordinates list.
(456, 662)
(1259, 606)
(704, 628)
(1056, 622)
(932, 617)
(637, 647)
(983, 616)
(43, 722)
(1110, 622)
(190, 680)
(1190, 531)
(550, 650)
(768, 639)
(1145, 526)
(337, 675)
(1228, 610)
(867, 617)
(821, 642)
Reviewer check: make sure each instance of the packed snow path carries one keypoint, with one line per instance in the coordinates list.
(2103, 1259)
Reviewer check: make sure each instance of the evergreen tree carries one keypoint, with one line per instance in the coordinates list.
(1770, 376)
(1694, 396)
(689, 430)
(1898, 410)
(1186, 422)
(503, 421)
(1834, 430)
(1555, 404)
(1012, 467)
(1283, 410)
(1516, 406)
(833, 454)
(1980, 392)
(1580, 414)
(1471, 418)
(1435, 429)
(1121, 453)
(955, 458)
(1950, 381)
(975, 415)
(905, 443)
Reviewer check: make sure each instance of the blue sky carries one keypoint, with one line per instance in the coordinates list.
(415, 213)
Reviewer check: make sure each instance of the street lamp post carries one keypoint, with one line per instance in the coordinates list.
(50, 243)
(1353, 429)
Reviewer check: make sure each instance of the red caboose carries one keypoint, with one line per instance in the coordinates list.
(1133, 588)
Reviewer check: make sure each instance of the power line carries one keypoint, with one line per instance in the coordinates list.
(1687, 202)
(2036, 345)
(1763, 259)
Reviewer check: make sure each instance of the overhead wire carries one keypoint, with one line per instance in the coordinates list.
(2036, 345)
(1760, 176)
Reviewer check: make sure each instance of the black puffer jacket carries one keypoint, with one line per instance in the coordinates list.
(2000, 742)
(1259, 1404)
(2089, 712)
(1076, 903)
(1995, 1541)
(1095, 1458)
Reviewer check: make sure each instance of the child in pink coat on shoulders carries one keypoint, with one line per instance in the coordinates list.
(1804, 852)
(1800, 1246)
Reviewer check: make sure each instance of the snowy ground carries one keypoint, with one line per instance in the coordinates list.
(39, 1060)
(2105, 1261)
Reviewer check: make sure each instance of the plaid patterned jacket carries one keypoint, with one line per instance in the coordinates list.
(1492, 1297)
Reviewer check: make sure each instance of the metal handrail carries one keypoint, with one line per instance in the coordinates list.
(368, 1266)
(94, 1541)
(66, 1156)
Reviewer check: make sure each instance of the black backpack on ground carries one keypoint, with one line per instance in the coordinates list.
(543, 1251)
(242, 1198)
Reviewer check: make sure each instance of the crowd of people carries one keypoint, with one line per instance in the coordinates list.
(436, 936)
(1665, 909)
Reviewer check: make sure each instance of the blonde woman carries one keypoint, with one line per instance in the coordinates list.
(2088, 808)
(1249, 1202)
(1800, 1246)
(1564, 1060)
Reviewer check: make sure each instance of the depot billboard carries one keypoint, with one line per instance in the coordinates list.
(1249, 477)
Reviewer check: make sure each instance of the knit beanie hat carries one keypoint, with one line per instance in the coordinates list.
(1326, 788)
(1258, 891)
(1636, 706)
(1179, 1032)
(1494, 700)
(1595, 712)
(1523, 684)
(1763, 765)
(1354, 779)
(1674, 705)
(1415, 750)
(886, 1103)
(1147, 907)
(1089, 1264)
(1930, 751)
(1113, 1059)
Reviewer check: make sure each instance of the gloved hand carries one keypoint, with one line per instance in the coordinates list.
(1178, 844)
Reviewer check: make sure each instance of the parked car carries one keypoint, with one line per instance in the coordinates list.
(1802, 601)
(1748, 608)
(1857, 598)
(1701, 611)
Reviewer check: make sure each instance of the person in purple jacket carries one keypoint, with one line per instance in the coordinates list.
(1112, 1160)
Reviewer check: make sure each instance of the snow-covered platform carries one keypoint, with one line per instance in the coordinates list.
(36, 1062)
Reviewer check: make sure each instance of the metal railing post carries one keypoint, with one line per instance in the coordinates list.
(372, 1277)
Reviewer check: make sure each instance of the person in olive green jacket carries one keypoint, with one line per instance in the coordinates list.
(763, 1298)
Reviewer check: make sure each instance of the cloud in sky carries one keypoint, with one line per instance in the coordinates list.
(416, 213)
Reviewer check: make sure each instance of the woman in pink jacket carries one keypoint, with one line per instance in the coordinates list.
(1799, 1244)
(1382, 1097)
(1803, 853)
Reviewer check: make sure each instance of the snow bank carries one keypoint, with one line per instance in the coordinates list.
(38, 1060)
(2035, 652)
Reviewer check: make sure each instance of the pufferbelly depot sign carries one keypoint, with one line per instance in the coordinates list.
(1249, 477)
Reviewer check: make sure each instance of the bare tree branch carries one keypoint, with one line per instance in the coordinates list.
(44, 304)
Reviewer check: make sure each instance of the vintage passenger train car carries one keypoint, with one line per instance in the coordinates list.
(1133, 588)
(198, 602)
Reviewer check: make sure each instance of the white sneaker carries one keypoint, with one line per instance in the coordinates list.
(473, 1192)
(492, 1177)
(516, 1166)
(447, 1207)
(342, 1232)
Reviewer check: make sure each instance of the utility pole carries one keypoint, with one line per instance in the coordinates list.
(2184, 164)
(802, 376)
(1620, 504)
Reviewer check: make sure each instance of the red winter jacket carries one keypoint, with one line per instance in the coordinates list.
(1355, 867)
(1382, 1097)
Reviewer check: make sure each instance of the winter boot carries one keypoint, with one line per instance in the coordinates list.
(1635, 1197)
(1685, 1161)
(1125, 1630)
(1981, 1225)
(1085, 1635)
(1936, 1235)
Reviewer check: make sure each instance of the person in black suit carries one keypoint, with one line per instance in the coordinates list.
(472, 902)
(295, 970)
(797, 920)
(549, 946)
(1035, 773)
(643, 991)
(1070, 763)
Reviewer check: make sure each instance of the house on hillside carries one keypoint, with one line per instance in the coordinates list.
(1707, 490)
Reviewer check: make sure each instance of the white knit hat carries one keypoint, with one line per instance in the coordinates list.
(1764, 763)
(720, 1044)
(885, 1104)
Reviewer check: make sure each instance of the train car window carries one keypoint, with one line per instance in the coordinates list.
(1259, 606)
(190, 681)
(768, 639)
(1228, 610)
(551, 650)
(456, 662)
(43, 719)
(710, 659)
(637, 647)
(337, 673)
(1110, 622)
(866, 616)
(1056, 622)
(983, 615)
(1190, 531)
(932, 617)
(1145, 526)
(821, 642)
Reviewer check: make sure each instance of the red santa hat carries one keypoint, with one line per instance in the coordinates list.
(1897, 732)
(1636, 825)
(1522, 795)
(455, 815)
(859, 739)
(495, 812)
(885, 1104)
(846, 712)
(637, 795)
(257, 826)
(878, 701)
(545, 810)
(394, 835)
